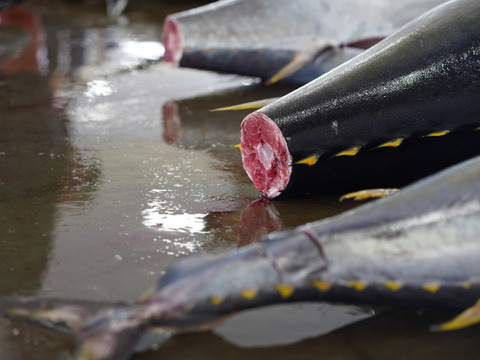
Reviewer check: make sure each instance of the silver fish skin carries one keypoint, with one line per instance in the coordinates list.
(418, 247)
(304, 27)
(420, 81)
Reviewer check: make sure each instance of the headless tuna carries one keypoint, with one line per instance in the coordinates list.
(398, 97)
(419, 247)
(276, 39)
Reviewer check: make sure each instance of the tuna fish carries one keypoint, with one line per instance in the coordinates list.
(273, 39)
(418, 247)
(402, 94)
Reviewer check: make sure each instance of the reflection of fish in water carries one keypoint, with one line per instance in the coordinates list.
(418, 247)
(274, 39)
(384, 336)
(413, 87)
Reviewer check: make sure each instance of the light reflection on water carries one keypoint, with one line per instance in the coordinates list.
(149, 50)
(99, 88)
(179, 224)
(190, 223)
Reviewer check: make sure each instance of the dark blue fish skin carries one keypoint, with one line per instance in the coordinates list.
(264, 63)
(409, 249)
(418, 248)
(303, 27)
(422, 80)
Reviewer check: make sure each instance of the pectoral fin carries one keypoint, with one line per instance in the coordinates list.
(248, 105)
(467, 318)
(299, 61)
(368, 194)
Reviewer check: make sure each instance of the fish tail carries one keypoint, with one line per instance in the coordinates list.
(103, 331)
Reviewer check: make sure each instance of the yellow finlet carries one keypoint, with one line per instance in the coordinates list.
(431, 287)
(349, 152)
(466, 285)
(284, 290)
(311, 160)
(322, 285)
(393, 285)
(393, 143)
(216, 300)
(248, 105)
(249, 294)
(238, 146)
(368, 194)
(467, 318)
(438, 133)
(357, 285)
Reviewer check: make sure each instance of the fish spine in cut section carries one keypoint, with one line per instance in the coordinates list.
(265, 154)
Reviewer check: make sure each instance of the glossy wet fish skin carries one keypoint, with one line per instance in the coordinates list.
(258, 25)
(264, 62)
(418, 247)
(229, 23)
(421, 80)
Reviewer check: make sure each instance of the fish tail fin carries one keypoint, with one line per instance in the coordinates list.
(103, 331)
(467, 318)
(61, 315)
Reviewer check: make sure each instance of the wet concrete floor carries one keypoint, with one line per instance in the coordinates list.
(112, 166)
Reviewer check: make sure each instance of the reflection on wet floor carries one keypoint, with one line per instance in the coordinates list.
(112, 165)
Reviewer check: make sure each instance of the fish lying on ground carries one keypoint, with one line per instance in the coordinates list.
(419, 247)
(278, 39)
(420, 83)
